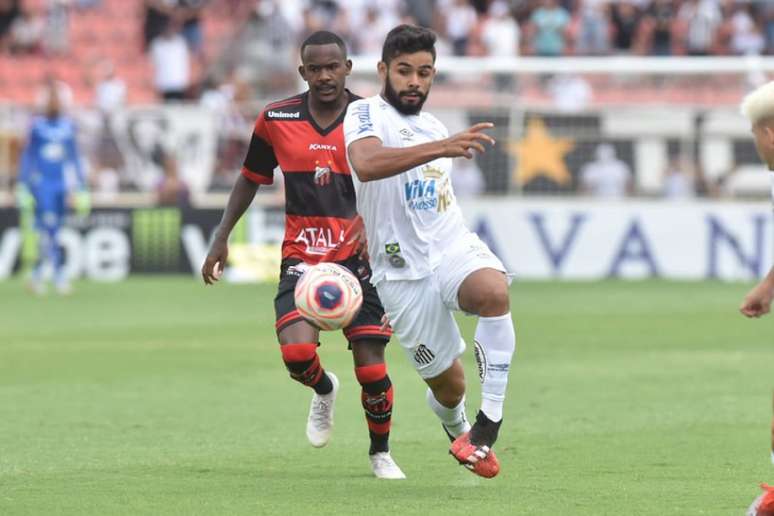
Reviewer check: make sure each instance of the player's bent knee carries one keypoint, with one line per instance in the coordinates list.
(367, 352)
(492, 300)
(485, 293)
(449, 398)
(300, 331)
(500, 302)
(302, 362)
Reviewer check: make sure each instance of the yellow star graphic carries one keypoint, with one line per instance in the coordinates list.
(540, 154)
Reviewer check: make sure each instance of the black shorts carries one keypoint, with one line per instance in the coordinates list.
(368, 321)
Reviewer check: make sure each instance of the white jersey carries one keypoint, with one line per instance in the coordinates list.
(771, 179)
(412, 216)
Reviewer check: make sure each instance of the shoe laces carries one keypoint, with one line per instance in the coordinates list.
(383, 461)
(321, 412)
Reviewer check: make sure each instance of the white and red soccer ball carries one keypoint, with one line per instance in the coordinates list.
(329, 296)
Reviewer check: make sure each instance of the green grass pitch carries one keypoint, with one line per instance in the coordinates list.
(161, 396)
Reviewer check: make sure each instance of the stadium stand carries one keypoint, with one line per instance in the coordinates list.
(108, 30)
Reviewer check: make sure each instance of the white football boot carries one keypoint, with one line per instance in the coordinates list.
(384, 466)
(319, 425)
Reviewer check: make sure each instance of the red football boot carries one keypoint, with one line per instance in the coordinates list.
(764, 504)
(481, 460)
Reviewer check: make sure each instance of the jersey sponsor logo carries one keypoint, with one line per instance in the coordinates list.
(431, 193)
(423, 356)
(323, 146)
(282, 114)
(53, 151)
(445, 196)
(420, 194)
(319, 240)
(406, 135)
(363, 114)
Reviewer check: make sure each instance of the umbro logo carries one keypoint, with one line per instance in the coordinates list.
(423, 356)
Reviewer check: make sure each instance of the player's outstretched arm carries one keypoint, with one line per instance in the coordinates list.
(242, 194)
(757, 302)
(372, 161)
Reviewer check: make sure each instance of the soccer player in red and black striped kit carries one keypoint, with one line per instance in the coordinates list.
(303, 135)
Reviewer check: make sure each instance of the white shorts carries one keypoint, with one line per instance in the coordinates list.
(421, 311)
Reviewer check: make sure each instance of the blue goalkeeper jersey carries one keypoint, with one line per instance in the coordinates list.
(50, 150)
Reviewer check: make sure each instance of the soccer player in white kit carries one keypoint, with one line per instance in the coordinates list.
(426, 263)
(758, 108)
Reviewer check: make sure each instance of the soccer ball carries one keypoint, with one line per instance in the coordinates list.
(328, 296)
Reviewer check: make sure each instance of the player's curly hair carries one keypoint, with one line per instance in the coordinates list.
(408, 39)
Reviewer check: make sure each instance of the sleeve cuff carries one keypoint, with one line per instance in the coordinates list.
(257, 178)
(357, 137)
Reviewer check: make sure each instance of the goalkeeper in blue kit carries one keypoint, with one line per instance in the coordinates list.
(46, 188)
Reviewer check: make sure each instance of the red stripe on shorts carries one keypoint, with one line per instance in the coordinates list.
(286, 319)
(367, 330)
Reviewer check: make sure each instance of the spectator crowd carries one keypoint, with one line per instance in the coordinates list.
(171, 36)
(546, 27)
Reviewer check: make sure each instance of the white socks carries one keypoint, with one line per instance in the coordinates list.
(453, 419)
(495, 342)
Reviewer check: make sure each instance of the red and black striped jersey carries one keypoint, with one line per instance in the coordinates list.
(319, 218)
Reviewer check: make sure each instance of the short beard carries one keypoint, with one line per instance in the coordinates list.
(394, 99)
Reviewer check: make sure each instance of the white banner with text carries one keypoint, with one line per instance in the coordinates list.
(594, 239)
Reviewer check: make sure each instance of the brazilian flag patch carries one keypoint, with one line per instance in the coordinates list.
(393, 248)
(393, 255)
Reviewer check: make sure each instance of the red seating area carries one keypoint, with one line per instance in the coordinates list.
(112, 30)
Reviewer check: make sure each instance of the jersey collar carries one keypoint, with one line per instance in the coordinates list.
(308, 115)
